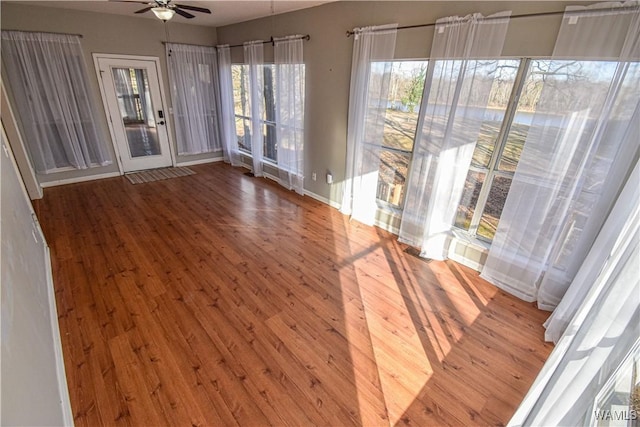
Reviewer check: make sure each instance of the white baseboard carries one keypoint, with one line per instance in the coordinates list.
(322, 199)
(387, 227)
(271, 177)
(79, 179)
(63, 387)
(200, 162)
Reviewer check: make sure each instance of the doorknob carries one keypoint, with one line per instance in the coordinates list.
(161, 122)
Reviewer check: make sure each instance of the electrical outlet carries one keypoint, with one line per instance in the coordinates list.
(313, 176)
(329, 178)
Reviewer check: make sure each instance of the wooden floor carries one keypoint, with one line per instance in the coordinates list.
(221, 299)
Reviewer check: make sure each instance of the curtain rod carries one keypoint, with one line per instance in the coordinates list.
(46, 32)
(190, 44)
(272, 41)
(524, 15)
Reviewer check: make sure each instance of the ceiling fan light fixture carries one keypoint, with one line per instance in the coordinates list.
(163, 13)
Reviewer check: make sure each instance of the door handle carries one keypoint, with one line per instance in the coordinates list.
(161, 122)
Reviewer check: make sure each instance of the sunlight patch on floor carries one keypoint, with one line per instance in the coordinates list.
(371, 401)
(399, 356)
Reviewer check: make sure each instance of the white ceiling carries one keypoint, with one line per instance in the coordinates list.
(223, 12)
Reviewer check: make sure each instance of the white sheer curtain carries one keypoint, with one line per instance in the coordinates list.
(193, 74)
(604, 329)
(461, 70)
(48, 78)
(254, 58)
(599, 256)
(124, 90)
(288, 55)
(577, 155)
(227, 110)
(373, 49)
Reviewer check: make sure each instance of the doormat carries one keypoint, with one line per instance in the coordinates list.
(158, 174)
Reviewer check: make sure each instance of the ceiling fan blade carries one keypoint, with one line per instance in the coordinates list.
(129, 1)
(194, 8)
(183, 13)
(146, 9)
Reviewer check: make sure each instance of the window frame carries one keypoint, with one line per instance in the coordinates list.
(385, 205)
(492, 171)
(263, 122)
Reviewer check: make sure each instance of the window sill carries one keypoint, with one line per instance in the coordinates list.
(462, 236)
(468, 250)
(389, 208)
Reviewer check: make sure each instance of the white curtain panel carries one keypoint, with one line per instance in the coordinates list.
(48, 78)
(576, 157)
(604, 329)
(290, 77)
(227, 110)
(254, 58)
(373, 51)
(193, 74)
(461, 72)
(614, 228)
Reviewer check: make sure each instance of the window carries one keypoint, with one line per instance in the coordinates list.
(496, 154)
(618, 401)
(401, 120)
(56, 138)
(194, 89)
(242, 106)
(515, 91)
(512, 105)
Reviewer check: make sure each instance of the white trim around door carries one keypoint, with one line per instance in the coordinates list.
(132, 92)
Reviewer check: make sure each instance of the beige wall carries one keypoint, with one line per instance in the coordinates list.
(106, 33)
(328, 59)
(327, 55)
(32, 377)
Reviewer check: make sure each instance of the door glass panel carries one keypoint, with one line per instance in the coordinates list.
(136, 111)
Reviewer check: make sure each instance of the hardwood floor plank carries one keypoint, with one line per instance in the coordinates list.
(133, 385)
(220, 299)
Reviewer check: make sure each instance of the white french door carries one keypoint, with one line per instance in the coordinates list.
(131, 91)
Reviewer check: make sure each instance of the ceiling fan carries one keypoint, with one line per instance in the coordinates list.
(164, 9)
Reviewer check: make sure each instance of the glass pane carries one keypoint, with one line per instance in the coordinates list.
(243, 132)
(270, 146)
(494, 113)
(136, 111)
(405, 95)
(269, 110)
(472, 187)
(539, 71)
(571, 86)
(241, 99)
(523, 117)
(392, 177)
(618, 401)
(493, 207)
